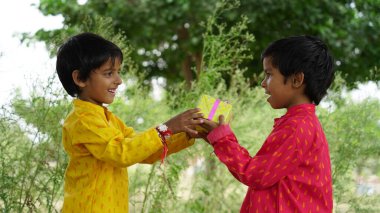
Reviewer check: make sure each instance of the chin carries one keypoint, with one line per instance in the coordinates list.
(270, 103)
(275, 106)
(107, 102)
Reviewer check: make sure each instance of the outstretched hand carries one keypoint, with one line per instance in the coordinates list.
(210, 125)
(185, 122)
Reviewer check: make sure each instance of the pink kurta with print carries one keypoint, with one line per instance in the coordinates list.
(290, 173)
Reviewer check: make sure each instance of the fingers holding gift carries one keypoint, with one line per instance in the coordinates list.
(191, 130)
(180, 122)
(192, 113)
(210, 125)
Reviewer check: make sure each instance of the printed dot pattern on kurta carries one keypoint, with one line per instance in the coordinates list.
(100, 148)
(290, 173)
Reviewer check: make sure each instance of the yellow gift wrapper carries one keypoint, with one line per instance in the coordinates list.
(212, 108)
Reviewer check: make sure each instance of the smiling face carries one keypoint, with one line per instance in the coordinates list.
(100, 88)
(282, 93)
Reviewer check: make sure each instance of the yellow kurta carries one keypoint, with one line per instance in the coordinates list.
(100, 148)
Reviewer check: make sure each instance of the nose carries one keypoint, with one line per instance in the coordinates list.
(263, 83)
(118, 79)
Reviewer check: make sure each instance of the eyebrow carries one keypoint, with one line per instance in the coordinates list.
(110, 68)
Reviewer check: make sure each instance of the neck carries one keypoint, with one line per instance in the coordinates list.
(300, 100)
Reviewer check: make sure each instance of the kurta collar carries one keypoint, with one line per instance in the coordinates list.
(300, 109)
(88, 105)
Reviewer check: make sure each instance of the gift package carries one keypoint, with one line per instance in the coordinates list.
(212, 108)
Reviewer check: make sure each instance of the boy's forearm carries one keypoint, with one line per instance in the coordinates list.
(124, 152)
(234, 157)
(261, 171)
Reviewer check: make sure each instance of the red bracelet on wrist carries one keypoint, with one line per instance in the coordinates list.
(164, 133)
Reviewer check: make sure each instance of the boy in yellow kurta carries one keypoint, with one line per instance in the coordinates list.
(100, 146)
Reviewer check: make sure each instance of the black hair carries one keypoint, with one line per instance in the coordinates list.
(307, 54)
(83, 52)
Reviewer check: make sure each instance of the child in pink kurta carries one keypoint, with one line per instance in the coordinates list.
(291, 172)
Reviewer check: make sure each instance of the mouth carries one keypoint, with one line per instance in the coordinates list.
(113, 91)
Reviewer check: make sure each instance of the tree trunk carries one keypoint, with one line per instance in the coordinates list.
(183, 37)
(186, 69)
(198, 63)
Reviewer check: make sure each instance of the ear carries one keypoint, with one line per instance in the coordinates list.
(298, 79)
(77, 81)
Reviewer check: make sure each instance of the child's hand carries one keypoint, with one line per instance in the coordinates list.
(185, 122)
(210, 125)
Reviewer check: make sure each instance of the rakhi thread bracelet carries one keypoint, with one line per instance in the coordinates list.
(164, 133)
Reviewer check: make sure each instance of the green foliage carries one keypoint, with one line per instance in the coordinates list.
(33, 162)
(14, 143)
(353, 133)
(140, 21)
(348, 27)
(224, 51)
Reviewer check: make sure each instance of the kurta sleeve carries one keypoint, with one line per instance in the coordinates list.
(115, 144)
(176, 143)
(278, 157)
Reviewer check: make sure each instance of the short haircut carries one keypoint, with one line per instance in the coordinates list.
(307, 54)
(84, 52)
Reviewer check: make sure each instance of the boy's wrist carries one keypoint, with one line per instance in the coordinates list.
(218, 133)
(164, 131)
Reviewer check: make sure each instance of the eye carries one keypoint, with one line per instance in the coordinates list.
(108, 73)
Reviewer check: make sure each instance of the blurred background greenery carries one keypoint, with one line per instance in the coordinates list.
(191, 48)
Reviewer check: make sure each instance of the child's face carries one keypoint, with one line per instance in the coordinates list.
(100, 88)
(281, 95)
